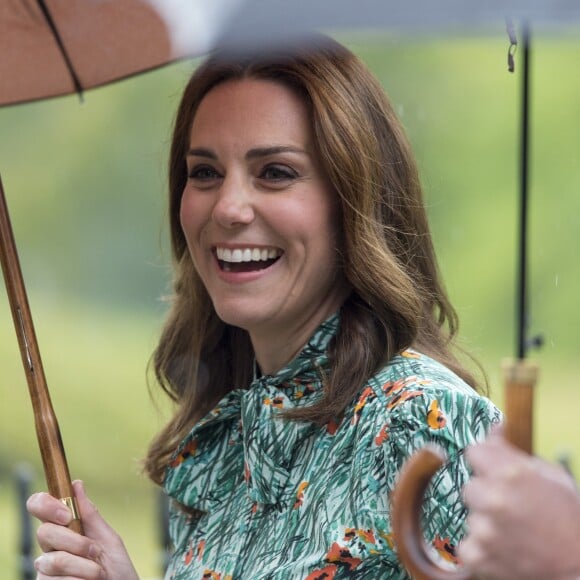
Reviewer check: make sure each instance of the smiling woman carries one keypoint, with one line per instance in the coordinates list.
(308, 349)
(255, 184)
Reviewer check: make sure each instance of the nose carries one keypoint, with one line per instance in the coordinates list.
(233, 206)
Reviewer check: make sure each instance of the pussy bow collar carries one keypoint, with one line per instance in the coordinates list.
(242, 437)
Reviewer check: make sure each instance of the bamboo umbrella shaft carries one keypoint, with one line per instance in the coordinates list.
(47, 429)
(519, 378)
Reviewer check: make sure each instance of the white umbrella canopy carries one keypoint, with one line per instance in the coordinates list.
(56, 47)
(261, 22)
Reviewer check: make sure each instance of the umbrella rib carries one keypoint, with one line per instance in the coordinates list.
(61, 46)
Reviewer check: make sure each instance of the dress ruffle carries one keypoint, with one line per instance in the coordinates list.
(242, 438)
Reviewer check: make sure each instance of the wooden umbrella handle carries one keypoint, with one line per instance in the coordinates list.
(520, 377)
(47, 429)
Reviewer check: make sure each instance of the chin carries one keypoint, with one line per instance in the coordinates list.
(237, 317)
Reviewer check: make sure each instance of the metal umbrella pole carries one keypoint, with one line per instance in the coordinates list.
(520, 377)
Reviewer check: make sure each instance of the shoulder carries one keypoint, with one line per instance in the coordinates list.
(414, 399)
(411, 369)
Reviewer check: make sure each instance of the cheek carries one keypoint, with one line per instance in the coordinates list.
(184, 214)
(191, 227)
(332, 237)
(330, 223)
(189, 217)
(319, 231)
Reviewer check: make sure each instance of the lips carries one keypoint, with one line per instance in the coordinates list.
(246, 259)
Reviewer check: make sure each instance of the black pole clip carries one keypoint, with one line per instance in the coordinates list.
(511, 31)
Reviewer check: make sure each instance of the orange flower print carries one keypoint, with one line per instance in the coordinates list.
(436, 419)
(342, 555)
(367, 536)
(211, 575)
(365, 396)
(326, 573)
(332, 426)
(392, 387)
(383, 435)
(388, 539)
(300, 494)
(197, 552)
(445, 549)
(200, 549)
(303, 391)
(188, 451)
(409, 354)
(404, 396)
(188, 556)
(277, 402)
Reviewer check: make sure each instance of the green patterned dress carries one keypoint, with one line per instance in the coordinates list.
(282, 499)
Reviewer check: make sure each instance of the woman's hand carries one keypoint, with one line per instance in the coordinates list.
(524, 518)
(98, 555)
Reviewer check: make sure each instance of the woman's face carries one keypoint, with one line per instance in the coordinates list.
(259, 216)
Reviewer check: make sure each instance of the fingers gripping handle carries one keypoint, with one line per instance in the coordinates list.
(71, 504)
(408, 496)
(520, 377)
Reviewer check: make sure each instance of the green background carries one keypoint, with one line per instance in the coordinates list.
(86, 189)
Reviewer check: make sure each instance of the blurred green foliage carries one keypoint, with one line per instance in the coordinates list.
(86, 182)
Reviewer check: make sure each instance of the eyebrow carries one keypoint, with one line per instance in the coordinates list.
(252, 153)
(273, 150)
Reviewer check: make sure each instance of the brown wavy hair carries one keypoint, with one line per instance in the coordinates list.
(397, 299)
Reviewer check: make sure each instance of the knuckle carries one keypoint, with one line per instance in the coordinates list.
(43, 533)
(481, 530)
(57, 562)
(34, 502)
(48, 563)
(497, 502)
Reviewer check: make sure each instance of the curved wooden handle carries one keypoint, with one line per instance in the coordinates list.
(406, 513)
(47, 429)
(520, 378)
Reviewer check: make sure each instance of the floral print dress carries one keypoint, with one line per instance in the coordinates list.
(277, 499)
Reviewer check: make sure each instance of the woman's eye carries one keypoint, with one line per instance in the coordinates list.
(278, 173)
(203, 173)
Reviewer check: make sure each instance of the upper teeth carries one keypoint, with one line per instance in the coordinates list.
(247, 254)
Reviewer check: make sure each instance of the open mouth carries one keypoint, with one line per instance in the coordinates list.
(246, 259)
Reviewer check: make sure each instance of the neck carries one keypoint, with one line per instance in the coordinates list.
(274, 354)
(275, 348)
